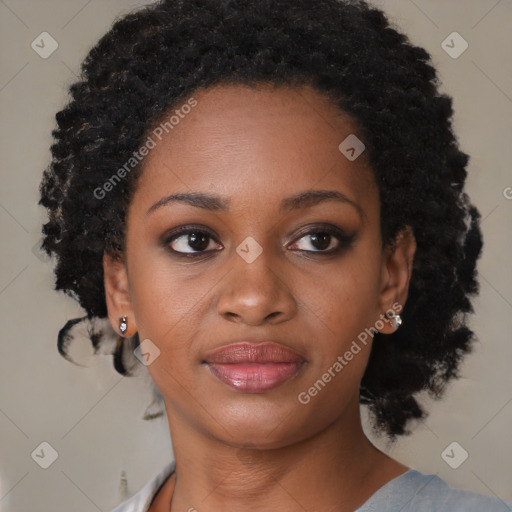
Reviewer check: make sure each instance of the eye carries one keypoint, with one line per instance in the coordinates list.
(323, 240)
(190, 242)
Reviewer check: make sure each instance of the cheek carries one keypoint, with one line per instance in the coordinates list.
(162, 294)
(167, 308)
(339, 311)
(346, 298)
(170, 303)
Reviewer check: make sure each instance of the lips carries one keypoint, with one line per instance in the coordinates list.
(254, 368)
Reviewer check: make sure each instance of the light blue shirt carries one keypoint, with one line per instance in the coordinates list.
(412, 491)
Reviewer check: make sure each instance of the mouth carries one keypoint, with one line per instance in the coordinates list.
(254, 368)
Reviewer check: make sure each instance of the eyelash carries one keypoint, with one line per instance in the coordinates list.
(344, 239)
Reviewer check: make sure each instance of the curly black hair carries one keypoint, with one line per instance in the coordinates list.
(154, 58)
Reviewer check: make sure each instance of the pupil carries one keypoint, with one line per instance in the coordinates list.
(323, 239)
(200, 239)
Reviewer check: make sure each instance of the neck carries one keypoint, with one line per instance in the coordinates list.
(335, 469)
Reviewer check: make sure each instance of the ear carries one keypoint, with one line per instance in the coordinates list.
(396, 274)
(117, 295)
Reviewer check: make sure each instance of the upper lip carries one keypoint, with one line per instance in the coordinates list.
(247, 352)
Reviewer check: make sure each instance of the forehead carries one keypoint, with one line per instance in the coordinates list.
(256, 143)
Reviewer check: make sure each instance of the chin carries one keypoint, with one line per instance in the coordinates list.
(262, 426)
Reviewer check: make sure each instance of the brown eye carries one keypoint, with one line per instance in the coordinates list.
(324, 240)
(191, 241)
(319, 241)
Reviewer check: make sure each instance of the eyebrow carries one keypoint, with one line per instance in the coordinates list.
(304, 199)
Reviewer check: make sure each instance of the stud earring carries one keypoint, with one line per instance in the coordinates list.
(395, 320)
(123, 324)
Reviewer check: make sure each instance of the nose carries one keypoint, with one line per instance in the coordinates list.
(256, 293)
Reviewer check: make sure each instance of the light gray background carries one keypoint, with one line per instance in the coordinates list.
(93, 416)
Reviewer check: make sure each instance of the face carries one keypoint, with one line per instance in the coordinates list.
(284, 254)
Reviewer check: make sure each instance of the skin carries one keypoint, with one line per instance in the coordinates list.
(262, 451)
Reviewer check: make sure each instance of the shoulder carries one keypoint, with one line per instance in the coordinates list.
(141, 501)
(414, 491)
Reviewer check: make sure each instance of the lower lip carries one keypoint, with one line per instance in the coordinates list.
(254, 377)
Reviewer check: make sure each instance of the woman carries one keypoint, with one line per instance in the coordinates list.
(266, 199)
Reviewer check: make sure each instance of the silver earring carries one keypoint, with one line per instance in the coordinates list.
(395, 320)
(123, 324)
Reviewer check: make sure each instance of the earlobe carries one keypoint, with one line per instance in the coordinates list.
(117, 296)
(396, 276)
